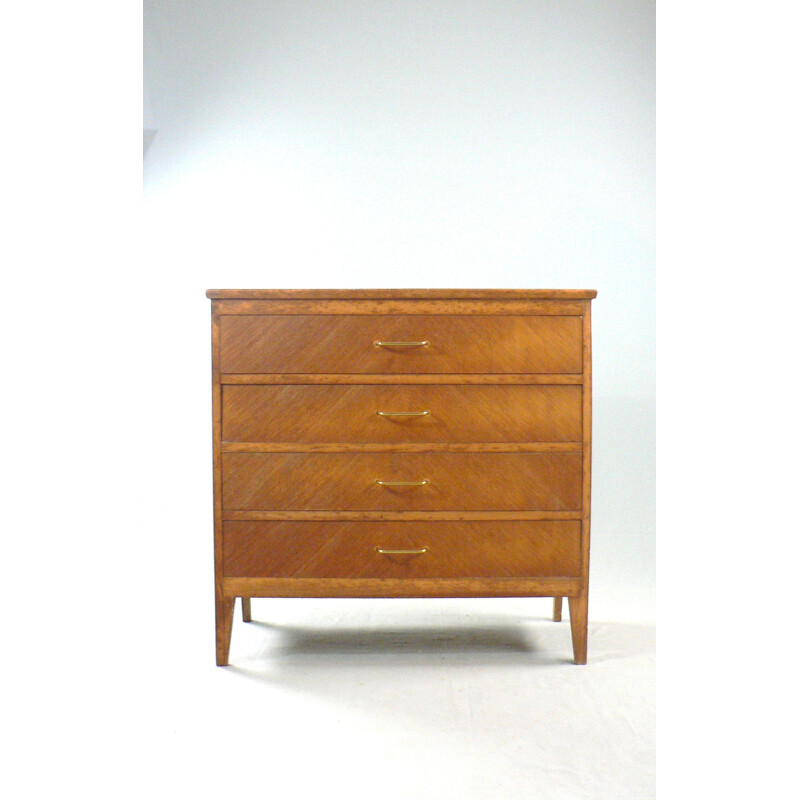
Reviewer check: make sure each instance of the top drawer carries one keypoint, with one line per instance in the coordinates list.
(452, 344)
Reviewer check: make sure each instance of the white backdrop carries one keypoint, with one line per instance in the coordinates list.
(109, 678)
(417, 144)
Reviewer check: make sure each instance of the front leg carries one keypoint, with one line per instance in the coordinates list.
(224, 623)
(579, 622)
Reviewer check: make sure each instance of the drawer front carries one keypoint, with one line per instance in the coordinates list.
(455, 481)
(408, 413)
(346, 344)
(457, 549)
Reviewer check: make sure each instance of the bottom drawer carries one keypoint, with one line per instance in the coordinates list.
(436, 549)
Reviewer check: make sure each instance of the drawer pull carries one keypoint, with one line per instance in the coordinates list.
(416, 552)
(402, 344)
(402, 413)
(403, 483)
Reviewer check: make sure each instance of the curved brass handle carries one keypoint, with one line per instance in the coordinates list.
(402, 413)
(386, 552)
(403, 483)
(424, 343)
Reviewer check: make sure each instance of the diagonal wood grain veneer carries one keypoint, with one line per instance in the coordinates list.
(401, 443)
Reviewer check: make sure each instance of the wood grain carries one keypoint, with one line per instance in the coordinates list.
(402, 447)
(579, 624)
(586, 411)
(223, 605)
(358, 307)
(578, 606)
(401, 587)
(349, 414)
(346, 344)
(406, 515)
(348, 549)
(224, 625)
(396, 294)
(297, 446)
(334, 378)
(346, 481)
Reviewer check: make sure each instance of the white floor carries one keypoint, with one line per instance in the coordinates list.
(395, 699)
(419, 699)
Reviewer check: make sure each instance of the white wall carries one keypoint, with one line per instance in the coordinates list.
(394, 144)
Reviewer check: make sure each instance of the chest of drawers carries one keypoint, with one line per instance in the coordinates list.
(401, 443)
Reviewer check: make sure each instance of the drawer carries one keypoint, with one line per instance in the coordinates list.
(346, 344)
(455, 481)
(452, 549)
(349, 413)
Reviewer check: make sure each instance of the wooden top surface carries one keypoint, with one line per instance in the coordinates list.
(401, 294)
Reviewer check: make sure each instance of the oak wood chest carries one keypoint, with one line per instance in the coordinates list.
(401, 443)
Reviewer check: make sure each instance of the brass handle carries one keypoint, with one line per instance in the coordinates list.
(401, 552)
(402, 413)
(402, 344)
(403, 483)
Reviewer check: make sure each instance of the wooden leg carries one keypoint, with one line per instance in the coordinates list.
(579, 622)
(224, 625)
(246, 609)
(557, 608)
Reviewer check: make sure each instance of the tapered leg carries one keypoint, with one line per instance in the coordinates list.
(557, 609)
(246, 609)
(224, 625)
(579, 622)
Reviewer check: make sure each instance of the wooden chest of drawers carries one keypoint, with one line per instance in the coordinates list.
(401, 443)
